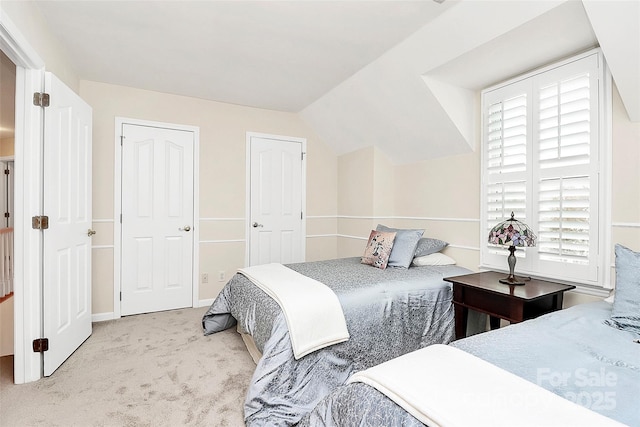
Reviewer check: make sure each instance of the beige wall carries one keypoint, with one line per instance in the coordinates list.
(223, 129)
(439, 195)
(384, 184)
(365, 197)
(355, 201)
(6, 333)
(445, 195)
(625, 197)
(7, 147)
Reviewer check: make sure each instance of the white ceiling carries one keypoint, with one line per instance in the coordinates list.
(279, 55)
(422, 95)
(400, 75)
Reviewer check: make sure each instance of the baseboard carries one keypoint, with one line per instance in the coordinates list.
(205, 302)
(102, 317)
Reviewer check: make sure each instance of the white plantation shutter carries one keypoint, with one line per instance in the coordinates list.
(507, 136)
(564, 126)
(541, 161)
(564, 143)
(502, 199)
(506, 131)
(506, 154)
(563, 220)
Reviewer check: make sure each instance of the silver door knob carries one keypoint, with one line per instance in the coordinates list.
(186, 228)
(91, 232)
(256, 225)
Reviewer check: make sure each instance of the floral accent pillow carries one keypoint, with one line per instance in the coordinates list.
(378, 248)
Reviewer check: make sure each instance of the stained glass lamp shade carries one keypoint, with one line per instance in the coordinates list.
(512, 233)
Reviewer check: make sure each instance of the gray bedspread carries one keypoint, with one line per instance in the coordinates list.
(388, 313)
(570, 352)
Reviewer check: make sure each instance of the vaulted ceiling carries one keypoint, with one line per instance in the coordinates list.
(401, 75)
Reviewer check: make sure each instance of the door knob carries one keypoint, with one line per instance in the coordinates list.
(186, 228)
(256, 225)
(91, 232)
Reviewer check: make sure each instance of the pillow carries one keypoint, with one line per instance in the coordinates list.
(427, 246)
(378, 249)
(433, 259)
(625, 312)
(404, 246)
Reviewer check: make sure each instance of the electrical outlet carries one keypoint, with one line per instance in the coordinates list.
(221, 276)
(205, 277)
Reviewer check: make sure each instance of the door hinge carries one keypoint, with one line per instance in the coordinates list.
(120, 296)
(40, 345)
(120, 218)
(121, 140)
(40, 222)
(7, 214)
(302, 155)
(301, 215)
(41, 99)
(6, 172)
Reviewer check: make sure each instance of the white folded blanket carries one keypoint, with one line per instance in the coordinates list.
(445, 386)
(313, 313)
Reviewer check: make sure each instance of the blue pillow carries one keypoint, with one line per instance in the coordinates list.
(404, 246)
(429, 245)
(625, 313)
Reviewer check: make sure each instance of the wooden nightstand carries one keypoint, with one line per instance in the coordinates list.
(482, 292)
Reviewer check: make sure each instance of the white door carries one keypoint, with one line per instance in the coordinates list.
(67, 203)
(276, 220)
(157, 218)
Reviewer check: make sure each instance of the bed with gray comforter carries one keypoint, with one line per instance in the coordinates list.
(569, 352)
(388, 313)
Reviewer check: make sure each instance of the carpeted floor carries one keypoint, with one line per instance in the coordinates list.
(153, 369)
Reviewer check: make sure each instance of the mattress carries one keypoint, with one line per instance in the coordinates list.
(388, 313)
(569, 352)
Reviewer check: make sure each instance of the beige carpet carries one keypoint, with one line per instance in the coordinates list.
(153, 369)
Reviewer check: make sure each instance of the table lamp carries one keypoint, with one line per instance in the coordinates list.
(512, 233)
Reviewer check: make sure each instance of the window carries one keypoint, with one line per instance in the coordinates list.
(544, 159)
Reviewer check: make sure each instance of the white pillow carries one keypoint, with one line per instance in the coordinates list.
(433, 259)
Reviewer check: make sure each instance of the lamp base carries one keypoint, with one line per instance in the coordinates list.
(512, 280)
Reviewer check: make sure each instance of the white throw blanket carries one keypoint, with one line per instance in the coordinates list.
(313, 313)
(445, 386)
